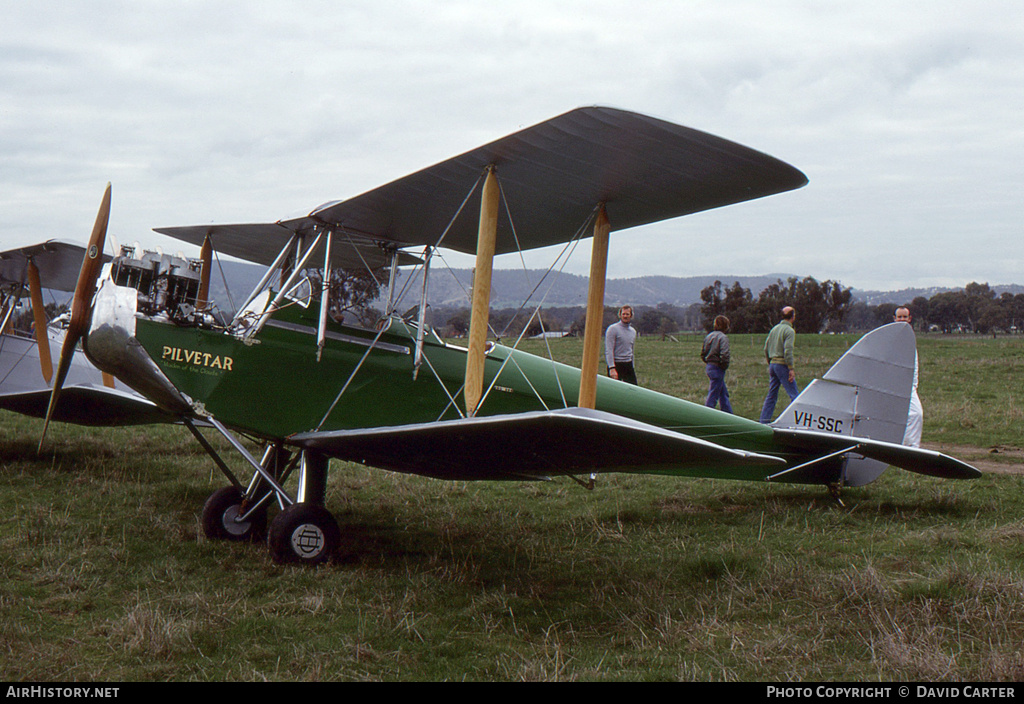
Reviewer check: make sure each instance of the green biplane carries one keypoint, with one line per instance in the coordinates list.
(398, 397)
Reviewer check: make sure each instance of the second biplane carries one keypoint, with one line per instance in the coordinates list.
(399, 397)
(26, 356)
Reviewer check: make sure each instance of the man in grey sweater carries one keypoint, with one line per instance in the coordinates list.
(618, 347)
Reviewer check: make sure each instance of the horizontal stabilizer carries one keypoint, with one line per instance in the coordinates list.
(912, 459)
(526, 445)
(87, 405)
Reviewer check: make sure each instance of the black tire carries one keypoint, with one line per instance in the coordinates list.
(304, 534)
(219, 513)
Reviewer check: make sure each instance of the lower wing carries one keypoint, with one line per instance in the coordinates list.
(528, 446)
(87, 405)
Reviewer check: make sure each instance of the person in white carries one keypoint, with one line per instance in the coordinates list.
(915, 416)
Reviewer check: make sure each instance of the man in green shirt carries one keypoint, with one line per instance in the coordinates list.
(778, 352)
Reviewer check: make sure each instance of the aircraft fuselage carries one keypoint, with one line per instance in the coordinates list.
(273, 386)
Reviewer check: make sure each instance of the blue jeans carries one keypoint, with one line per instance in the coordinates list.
(717, 391)
(778, 375)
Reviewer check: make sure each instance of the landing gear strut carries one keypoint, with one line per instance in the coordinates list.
(304, 532)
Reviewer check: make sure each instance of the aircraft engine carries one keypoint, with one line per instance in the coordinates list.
(167, 285)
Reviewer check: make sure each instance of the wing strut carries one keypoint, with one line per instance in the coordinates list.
(285, 287)
(39, 316)
(595, 311)
(392, 277)
(279, 261)
(421, 318)
(7, 304)
(478, 323)
(325, 300)
(206, 255)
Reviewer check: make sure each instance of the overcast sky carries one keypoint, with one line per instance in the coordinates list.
(907, 117)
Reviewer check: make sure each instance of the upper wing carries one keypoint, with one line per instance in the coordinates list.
(527, 445)
(552, 176)
(58, 262)
(912, 459)
(261, 243)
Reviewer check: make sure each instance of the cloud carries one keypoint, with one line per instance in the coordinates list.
(905, 117)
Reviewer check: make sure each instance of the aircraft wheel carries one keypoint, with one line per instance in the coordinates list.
(220, 512)
(305, 534)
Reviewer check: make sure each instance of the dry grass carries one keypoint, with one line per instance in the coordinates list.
(106, 576)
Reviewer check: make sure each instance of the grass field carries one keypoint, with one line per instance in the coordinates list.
(105, 575)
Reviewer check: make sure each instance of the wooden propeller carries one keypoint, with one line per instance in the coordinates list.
(80, 304)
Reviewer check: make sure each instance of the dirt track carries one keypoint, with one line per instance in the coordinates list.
(1002, 459)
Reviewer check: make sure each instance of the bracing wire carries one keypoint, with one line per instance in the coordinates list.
(397, 298)
(444, 234)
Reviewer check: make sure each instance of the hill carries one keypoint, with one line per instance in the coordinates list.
(510, 287)
(906, 295)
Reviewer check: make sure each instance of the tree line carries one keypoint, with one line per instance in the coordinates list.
(829, 307)
(826, 306)
(820, 306)
(975, 309)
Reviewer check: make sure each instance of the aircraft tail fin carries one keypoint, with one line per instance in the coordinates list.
(865, 394)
